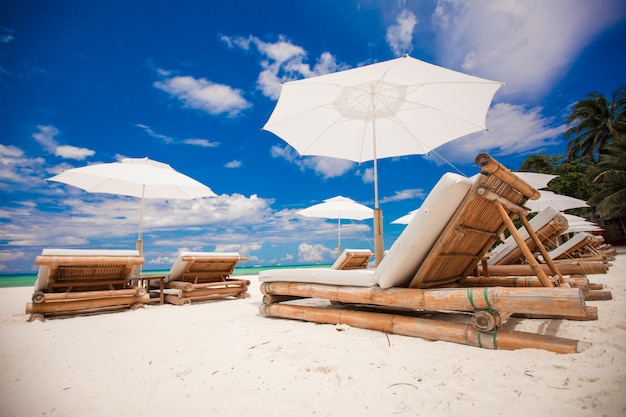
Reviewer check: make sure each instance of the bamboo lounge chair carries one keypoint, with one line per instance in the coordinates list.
(353, 259)
(82, 281)
(201, 276)
(426, 269)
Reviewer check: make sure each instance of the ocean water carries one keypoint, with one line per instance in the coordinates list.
(28, 280)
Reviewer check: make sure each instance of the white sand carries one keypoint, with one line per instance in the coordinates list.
(223, 359)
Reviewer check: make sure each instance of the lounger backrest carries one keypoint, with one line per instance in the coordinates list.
(74, 269)
(578, 241)
(410, 248)
(495, 196)
(353, 259)
(547, 224)
(203, 266)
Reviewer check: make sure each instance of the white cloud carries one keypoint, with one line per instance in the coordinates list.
(46, 137)
(205, 95)
(282, 61)
(407, 194)
(399, 36)
(72, 152)
(512, 130)
(529, 44)
(233, 164)
(16, 168)
(313, 253)
(326, 167)
(204, 143)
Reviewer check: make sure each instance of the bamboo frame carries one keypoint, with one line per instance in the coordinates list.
(429, 329)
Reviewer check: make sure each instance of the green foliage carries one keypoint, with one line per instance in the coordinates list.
(610, 171)
(543, 164)
(596, 122)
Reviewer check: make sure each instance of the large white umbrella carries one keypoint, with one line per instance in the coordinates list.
(338, 208)
(135, 177)
(580, 224)
(403, 106)
(557, 201)
(536, 179)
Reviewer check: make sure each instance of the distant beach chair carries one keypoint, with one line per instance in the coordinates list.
(353, 259)
(82, 281)
(201, 276)
(582, 246)
(427, 269)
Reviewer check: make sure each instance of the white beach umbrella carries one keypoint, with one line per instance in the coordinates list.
(406, 219)
(403, 106)
(580, 224)
(556, 201)
(338, 208)
(535, 179)
(135, 177)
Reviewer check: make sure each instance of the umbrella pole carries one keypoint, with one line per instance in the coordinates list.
(379, 251)
(338, 236)
(139, 245)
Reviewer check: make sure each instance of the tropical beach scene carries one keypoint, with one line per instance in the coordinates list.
(326, 208)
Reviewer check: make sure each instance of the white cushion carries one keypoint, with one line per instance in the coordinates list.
(352, 277)
(575, 240)
(408, 251)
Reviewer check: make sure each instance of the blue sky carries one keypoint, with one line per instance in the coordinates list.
(191, 83)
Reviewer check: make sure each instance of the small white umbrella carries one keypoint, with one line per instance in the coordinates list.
(135, 177)
(338, 208)
(406, 219)
(556, 201)
(402, 106)
(535, 179)
(580, 224)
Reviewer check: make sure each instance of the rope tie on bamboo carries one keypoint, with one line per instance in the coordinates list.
(494, 339)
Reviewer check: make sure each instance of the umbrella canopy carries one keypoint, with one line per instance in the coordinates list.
(406, 219)
(338, 208)
(580, 224)
(135, 177)
(535, 179)
(556, 201)
(403, 106)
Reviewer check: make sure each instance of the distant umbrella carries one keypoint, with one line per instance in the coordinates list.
(556, 201)
(135, 177)
(535, 179)
(338, 208)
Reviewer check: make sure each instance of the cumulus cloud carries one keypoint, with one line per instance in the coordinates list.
(529, 44)
(199, 93)
(399, 36)
(326, 167)
(513, 130)
(313, 253)
(282, 61)
(46, 137)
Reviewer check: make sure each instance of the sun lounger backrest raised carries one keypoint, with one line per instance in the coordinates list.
(578, 241)
(200, 267)
(352, 259)
(410, 248)
(547, 224)
(77, 269)
(495, 196)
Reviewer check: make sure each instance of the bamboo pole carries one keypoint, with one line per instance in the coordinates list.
(555, 271)
(514, 300)
(493, 167)
(522, 245)
(570, 268)
(41, 297)
(424, 328)
(521, 281)
(91, 304)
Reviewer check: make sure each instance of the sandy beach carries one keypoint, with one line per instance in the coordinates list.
(222, 358)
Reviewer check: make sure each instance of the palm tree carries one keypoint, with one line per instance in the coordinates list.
(611, 170)
(596, 122)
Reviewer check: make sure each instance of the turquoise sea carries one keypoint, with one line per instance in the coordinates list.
(27, 280)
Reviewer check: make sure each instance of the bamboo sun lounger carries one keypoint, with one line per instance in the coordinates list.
(84, 281)
(201, 276)
(353, 259)
(428, 269)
